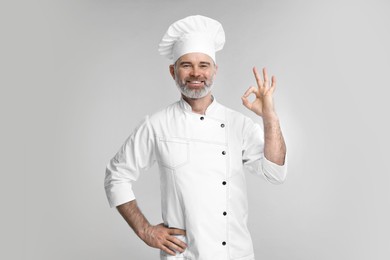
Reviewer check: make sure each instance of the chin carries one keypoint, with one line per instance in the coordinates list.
(194, 93)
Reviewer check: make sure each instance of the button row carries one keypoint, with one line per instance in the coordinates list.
(224, 213)
(202, 118)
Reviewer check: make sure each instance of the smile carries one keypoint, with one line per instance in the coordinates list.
(195, 82)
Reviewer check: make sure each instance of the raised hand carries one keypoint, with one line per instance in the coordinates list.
(263, 103)
(163, 238)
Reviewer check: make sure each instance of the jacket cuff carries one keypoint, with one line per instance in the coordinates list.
(119, 194)
(273, 172)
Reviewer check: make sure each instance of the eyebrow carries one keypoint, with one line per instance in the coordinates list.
(202, 62)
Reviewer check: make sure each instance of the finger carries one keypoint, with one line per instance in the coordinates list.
(249, 91)
(246, 102)
(258, 77)
(265, 75)
(176, 231)
(273, 84)
(177, 242)
(175, 246)
(167, 250)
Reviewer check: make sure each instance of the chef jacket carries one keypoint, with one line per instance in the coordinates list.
(201, 160)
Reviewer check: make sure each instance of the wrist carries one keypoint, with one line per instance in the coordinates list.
(142, 232)
(270, 117)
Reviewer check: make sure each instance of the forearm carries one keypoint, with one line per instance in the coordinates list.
(134, 217)
(274, 145)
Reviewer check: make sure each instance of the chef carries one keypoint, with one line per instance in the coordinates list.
(203, 150)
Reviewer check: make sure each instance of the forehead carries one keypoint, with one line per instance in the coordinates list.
(196, 57)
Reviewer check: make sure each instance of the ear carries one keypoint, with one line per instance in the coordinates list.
(172, 71)
(216, 69)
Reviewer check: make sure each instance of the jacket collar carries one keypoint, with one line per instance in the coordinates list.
(187, 107)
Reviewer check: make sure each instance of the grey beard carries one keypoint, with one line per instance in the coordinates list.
(194, 93)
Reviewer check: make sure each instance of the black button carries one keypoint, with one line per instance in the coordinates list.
(201, 118)
(224, 243)
(224, 183)
(223, 152)
(222, 125)
(224, 213)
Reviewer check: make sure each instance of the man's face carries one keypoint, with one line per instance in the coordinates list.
(194, 74)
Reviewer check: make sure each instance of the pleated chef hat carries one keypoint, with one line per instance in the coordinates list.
(192, 34)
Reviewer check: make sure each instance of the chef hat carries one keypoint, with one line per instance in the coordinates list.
(192, 34)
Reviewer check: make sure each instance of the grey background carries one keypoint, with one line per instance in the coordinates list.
(77, 77)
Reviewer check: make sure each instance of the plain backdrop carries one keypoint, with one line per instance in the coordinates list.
(78, 76)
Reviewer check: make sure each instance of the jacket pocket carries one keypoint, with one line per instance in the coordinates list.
(173, 153)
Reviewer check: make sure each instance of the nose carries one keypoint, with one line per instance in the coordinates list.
(195, 72)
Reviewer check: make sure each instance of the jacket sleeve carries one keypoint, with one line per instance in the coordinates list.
(135, 156)
(253, 155)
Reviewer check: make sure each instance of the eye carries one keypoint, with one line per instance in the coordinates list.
(204, 65)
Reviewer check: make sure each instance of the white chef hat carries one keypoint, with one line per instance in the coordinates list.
(192, 34)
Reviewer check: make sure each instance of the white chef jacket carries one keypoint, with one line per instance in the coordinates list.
(201, 159)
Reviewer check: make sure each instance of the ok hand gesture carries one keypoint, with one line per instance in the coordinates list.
(263, 103)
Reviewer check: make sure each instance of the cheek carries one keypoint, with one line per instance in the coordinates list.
(210, 75)
(181, 75)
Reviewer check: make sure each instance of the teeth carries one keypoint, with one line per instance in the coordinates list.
(195, 82)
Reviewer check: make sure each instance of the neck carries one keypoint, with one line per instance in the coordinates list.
(199, 105)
